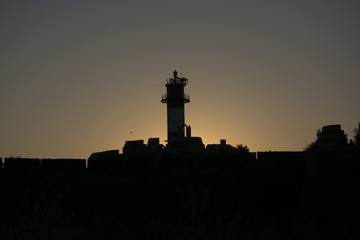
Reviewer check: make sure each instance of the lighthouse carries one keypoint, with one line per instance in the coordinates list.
(175, 98)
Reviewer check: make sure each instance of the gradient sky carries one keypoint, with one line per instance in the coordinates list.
(79, 76)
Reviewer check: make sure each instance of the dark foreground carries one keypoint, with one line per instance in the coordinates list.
(226, 197)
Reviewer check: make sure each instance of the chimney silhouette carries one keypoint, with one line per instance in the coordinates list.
(175, 100)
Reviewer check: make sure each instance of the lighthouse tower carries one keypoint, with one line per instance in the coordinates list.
(175, 100)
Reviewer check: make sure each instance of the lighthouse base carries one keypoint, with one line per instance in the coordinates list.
(186, 144)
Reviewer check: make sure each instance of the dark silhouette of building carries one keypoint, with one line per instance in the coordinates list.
(220, 148)
(175, 98)
(134, 148)
(63, 164)
(154, 146)
(107, 160)
(22, 163)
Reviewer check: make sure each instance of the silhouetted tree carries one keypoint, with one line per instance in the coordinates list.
(243, 148)
(356, 131)
(328, 138)
(357, 135)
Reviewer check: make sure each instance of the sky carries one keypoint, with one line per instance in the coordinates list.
(78, 77)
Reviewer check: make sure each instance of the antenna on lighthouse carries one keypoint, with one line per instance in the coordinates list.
(181, 67)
